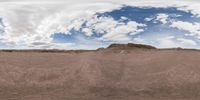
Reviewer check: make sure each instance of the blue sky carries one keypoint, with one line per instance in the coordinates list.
(153, 31)
(46, 27)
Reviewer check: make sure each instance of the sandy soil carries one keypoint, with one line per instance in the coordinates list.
(101, 75)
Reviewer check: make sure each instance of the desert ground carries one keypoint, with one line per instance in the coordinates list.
(105, 74)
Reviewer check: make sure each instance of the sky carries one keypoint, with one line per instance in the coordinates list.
(91, 24)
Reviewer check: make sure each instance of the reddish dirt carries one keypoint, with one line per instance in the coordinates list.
(101, 75)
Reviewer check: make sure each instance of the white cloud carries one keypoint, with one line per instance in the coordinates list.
(167, 42)
(35, 21)
(1, 25)
(149, 19)
(26, 24)
(193, 28)
(111, 29)
(1, 28)
(187, 42)
(140, 40)
(38, 45)
(87, 31)
(124, 18)
(163, 18)
(173, 42)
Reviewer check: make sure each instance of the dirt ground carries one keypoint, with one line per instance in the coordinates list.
(101, 75)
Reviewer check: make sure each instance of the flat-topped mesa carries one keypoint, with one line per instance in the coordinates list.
(129, 46)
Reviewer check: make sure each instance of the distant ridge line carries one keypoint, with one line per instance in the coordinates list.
(129, 46)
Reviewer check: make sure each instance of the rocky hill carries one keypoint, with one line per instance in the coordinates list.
(130, 46)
